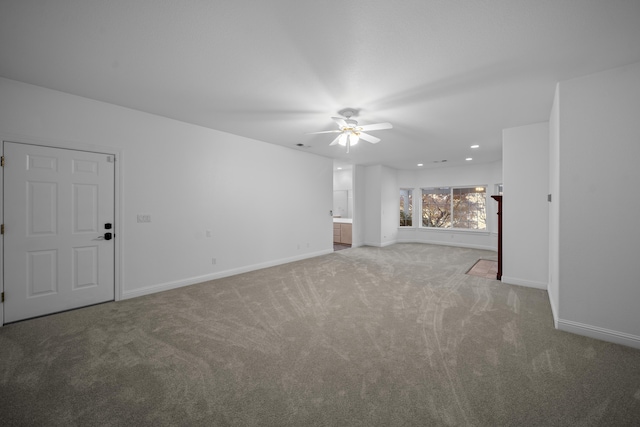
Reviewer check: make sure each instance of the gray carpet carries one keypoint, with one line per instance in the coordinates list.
(396, 336)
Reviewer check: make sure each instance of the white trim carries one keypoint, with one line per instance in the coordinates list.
(118, 202)
(599, 333)
(380, 244)
(456, 244)
(152, 289)
(59, 143)
(118, 274)
(461, 231)
(523, 282)
(552, 303)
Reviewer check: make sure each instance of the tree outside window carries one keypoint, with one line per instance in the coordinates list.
(406, 207)
(436, 207)
(454, 207)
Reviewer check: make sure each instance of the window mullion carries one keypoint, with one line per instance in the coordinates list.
(453, 214)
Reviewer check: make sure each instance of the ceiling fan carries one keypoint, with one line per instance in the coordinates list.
(350, 132)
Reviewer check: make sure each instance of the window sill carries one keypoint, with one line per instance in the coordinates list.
(446, 230)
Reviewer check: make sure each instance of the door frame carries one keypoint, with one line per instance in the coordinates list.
(119, 226)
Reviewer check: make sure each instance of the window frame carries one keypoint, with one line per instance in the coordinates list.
(411, 207)
(451, 209)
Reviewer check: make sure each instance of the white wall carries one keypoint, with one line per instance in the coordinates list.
(343, 193)
(343, 180)
(359, 206)
(488, 174)
(264, 204)
(380, 195)
(390, 205)
(554, 211)
(372, 205)
(599, 236)
(525, 211)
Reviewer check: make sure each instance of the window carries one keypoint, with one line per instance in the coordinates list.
(436, 207)
(406, 207)
(455, 207)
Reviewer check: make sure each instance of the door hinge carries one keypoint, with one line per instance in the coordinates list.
(2, 297)
(2, 229)
(2, 161)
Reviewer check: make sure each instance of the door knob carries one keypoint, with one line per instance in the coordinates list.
(108, 236)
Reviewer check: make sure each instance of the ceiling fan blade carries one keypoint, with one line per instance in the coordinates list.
(324, 131)
(340, 121)
(335, 141)
(378, 126)
(372, 139)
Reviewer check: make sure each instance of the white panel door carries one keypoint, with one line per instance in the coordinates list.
(57, 204)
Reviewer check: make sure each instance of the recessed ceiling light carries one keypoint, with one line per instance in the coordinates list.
(420, 164)
(339, 169)
(475, 146)
(468, 159)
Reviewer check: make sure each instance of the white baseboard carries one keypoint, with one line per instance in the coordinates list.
(554, 312)
(522, 282)
(379, 244)
(455, 244)
(599, 333)
(160, 287)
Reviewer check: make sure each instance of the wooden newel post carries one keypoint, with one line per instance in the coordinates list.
(499, 200)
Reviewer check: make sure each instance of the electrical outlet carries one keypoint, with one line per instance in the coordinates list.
(144, 218)
(213, 261)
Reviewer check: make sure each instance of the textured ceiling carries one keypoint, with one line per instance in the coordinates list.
(447, 74)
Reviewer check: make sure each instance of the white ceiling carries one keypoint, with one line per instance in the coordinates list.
(447, 74)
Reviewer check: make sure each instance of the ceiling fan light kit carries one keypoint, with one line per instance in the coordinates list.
(349, 130)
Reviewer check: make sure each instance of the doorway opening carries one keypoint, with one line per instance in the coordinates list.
(342, 206)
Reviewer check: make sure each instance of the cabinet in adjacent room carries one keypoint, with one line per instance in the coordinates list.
(342, 233)
(336, 232)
